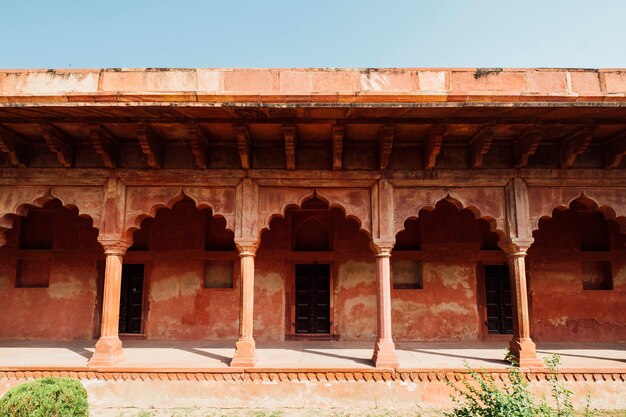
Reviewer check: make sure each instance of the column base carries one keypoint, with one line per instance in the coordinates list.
(245, 354)
(108, 352)
(523, 350)
(385, 354)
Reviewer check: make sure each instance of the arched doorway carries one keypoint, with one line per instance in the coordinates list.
(180, 277)
(315, 277)
(450, 280)
(49, 270)
(576, 267)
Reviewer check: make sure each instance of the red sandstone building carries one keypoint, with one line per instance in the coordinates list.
(372, 205)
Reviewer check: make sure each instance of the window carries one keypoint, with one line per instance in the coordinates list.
(33, 273)
(407, 275)
(218, 274)
(597, 275)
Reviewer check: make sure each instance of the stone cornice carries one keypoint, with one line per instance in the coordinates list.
(403, 86)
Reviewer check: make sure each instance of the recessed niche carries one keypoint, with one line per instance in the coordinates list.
(32, 273)
(407, 275)
(597, 276)
(218, 274)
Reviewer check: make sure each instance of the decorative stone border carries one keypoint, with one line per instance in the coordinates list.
(303, 375)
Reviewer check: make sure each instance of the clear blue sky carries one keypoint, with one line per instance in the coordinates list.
(312, 33)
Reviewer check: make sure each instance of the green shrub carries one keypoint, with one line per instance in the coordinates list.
(47, 397)
(481, 397)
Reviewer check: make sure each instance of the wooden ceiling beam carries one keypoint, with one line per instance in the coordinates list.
(614, 150)
(59, 143)
(480, 144)
(150, 145)
(575, 145)
(199, 145)
(432, 144)
(338, 133)
(104, 143)
(289, 132)
(385, 143)
(14, 145)
(243, 145)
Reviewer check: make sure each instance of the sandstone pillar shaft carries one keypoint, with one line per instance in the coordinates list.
(384, 350)
(521, 346)
(245, 351)
(109, 347)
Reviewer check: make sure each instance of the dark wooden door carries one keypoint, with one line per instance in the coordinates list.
(312, 299)
(498, 299)
(131, 298)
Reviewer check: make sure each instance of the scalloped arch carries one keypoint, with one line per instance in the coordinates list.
(327, 197)
(20, 208)
(592, 203)
(495, 225)
(150, 210)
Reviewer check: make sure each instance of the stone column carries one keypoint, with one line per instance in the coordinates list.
(384, 350)
(521, 346)
(109, 347)
(245, 351)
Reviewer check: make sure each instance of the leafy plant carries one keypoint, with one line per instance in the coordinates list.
(482, 397)
(58, 397)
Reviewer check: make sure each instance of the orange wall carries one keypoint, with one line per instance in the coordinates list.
(561, 309)
(65, 309)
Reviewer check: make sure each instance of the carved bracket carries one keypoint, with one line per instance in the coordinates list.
(385, 143)
(58, 143)
(527, 145)
(337, 138)
(150, 145)
(290, 146)
(104, 143)
(574, 146)
(243, 145)
(14, 146)
(614, 150)
(480, 144)
(199, 145)
(432, 145)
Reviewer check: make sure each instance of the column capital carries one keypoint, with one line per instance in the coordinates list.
(516, 246)
(382, 247)
(247, 246)
(114, 246)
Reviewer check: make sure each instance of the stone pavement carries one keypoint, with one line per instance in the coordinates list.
(305, 354)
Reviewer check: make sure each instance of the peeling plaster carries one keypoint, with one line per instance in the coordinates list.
(560, 321)
(271, 282)
(64, 290)
(449, 308)
(353, 274)
(168, 288)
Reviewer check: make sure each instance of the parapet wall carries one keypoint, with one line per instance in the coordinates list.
(312, 85)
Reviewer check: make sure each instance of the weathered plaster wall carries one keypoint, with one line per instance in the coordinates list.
(447, 307)
(561, 310)
(353, 273)
(65, 308)
(450, 244)
(176, 304)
